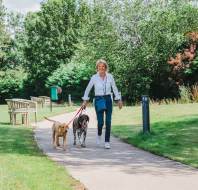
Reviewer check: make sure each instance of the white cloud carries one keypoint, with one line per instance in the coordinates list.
(22, 6)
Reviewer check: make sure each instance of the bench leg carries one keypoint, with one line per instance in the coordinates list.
(23, 119)
(10, 117)
(28, 119)
(13, 119)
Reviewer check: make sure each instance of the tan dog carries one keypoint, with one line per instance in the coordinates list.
(58, 130)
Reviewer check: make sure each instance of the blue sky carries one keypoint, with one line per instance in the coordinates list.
(22, 6)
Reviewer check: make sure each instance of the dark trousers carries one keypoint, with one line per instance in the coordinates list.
(100, 118)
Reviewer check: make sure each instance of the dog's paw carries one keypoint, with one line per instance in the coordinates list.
(83, 145)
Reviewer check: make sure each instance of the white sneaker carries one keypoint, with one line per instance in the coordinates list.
(107, 145)
(98, 139)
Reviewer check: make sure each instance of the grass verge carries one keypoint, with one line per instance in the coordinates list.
(22, 164)
(174, 131)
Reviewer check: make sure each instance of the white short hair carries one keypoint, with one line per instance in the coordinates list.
(102, 61)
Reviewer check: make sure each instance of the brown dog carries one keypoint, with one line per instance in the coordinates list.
(58, 130)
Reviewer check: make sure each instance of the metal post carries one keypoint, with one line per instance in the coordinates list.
(145, 114)
(69, 99)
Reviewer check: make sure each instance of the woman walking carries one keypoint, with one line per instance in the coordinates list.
(102, 82)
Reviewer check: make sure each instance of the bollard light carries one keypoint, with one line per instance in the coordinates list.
(145, 114)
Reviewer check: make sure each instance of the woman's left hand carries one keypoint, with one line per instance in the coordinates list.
(84, 104)
(120, 104)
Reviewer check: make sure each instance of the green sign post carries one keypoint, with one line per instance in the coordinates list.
(53, 94)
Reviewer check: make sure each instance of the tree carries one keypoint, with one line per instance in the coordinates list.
(97, 39)
(15, 23)
(51, 38)
(15, 29)
(152, 32)
(5, 40)
(11, 84)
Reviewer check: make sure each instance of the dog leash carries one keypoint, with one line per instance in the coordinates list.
(80, 110)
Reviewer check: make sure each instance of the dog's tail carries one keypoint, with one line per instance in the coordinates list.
(50, 119)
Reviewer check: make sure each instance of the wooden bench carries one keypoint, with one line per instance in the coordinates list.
(38, 100)
(46, 100)
(23, 107)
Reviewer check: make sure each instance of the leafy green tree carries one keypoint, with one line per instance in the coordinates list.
(51, 38)
(11, 84)
(72, 78)
(15, 23)
(11, 71)
(61, 43)
(5, 40)
(15, 28)
(97, 39)
(152, 31)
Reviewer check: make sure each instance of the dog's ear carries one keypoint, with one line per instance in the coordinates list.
(66, 126)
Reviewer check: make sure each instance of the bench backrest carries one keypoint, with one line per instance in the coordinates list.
(46, 99)
(9, 103)
(15, 103)
(36, 99)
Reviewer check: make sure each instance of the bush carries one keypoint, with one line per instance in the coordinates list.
(11, 84)
(195, 93)
(72, 77)
(185, 94)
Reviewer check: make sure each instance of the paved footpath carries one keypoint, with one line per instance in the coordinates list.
(123, 167)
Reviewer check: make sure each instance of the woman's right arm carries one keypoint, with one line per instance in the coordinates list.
(87, 91)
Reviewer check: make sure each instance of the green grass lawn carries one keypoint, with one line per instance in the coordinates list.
(174, 130)
(22, 164)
